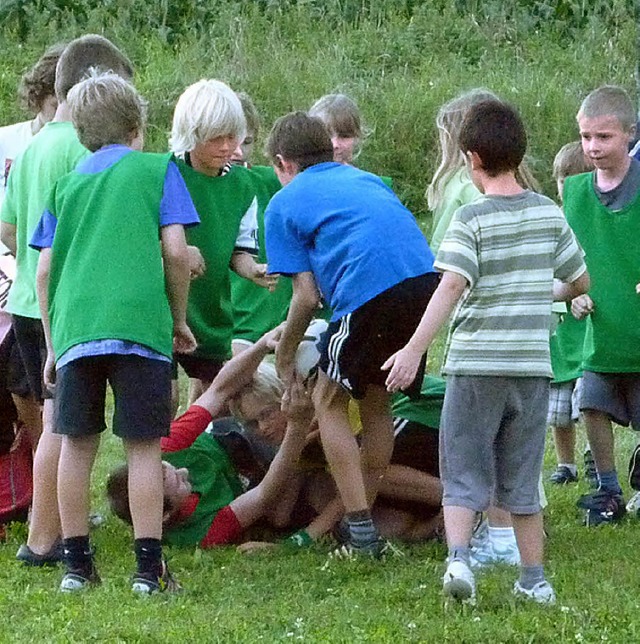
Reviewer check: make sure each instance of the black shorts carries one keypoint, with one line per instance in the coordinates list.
(141, 391)
(416, 446)
(205, 369)
(32, 352)
(8, 413)
(357, 345)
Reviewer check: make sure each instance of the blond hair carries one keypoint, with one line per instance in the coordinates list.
(106, 109)
(570, 160)
(265, 385)
(206, 110)
(449, 123)
(609, 100)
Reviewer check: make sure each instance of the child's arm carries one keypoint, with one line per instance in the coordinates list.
(42, 287)
(176, 267)
(303, 305)
(581, 306)
(404, 364)
(245, 265)
(197, 265)
(8, 236)
(567, 291)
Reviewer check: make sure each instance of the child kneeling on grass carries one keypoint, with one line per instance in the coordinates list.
(343, 232)
(499, 258)
(111, 298)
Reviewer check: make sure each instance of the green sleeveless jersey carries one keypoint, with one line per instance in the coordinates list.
(426, 408)
(212, 478)
(107, 279)
(221, 203)
(610, 243)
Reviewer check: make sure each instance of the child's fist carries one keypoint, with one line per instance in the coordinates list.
(183, 340)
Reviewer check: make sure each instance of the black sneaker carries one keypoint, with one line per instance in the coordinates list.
(77, 580)
(590, 471)
(563, 475)
(30, 558)
(148, 583)
(603, 506)
(634, 469)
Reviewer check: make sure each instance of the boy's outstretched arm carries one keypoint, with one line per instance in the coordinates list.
(303, 305)
(176, 268)
(404, 364)
(245, 265)
(42, 287)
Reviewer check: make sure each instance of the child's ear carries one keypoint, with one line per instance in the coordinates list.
(474, 160)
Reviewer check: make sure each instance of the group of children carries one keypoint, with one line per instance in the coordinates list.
(123, 272)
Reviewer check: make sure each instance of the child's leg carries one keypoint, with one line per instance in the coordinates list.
(377, 438)
(530, 536)
(601, 440)
(565, 442)
(409, 484)
(44, 527)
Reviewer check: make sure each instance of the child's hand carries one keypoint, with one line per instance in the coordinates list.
(251, 547)
(297, 405)
(183, 340)
(261, 278)
(49, 373)
(197, 265)
(404, 367)
(271, 338)
(581, 306)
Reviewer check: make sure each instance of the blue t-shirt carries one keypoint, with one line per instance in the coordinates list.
(349, 229)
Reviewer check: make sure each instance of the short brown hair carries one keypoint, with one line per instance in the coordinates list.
(300, 138)
(495, 132)
(39, 82)
(106, 109)
(610, 100)
(340, 114)
(570, 160)
(251, 115)
(84, 53)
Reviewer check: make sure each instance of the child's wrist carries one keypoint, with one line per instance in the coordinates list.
(300, 539)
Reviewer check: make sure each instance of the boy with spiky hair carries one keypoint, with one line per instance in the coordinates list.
(603, 209)
(111, 299)
(54, 152)
(343, 232)
(499, 259)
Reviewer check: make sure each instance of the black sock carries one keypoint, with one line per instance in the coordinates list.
(148, 556)
(78, 555)
(361, 527)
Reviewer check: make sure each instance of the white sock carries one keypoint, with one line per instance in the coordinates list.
(502, 536)
(572, 467)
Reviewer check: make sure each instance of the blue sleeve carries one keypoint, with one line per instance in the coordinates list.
(44, 232)
(287, 253)
(176, 206)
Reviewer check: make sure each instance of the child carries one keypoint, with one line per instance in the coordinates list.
(208, 126)
(52, 154)
(374, 268)
(498, 259)
(256, 310)
(602, 208)
(111, 299)
(566, 349)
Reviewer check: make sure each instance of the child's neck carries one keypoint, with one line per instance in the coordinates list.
(609, 178)
(502, 185)
(63, 113)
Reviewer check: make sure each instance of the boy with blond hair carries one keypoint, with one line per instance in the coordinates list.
(111, 300)
(603, 209)
(53, 153)
(499, 259)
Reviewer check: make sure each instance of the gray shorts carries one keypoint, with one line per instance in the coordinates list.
(492, 434)
(615, 394)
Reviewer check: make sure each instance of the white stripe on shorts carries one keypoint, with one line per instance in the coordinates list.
(333, 351)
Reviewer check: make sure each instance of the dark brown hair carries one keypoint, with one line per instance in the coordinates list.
(39, 82)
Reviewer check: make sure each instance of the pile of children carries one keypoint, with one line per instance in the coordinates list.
(130, 263)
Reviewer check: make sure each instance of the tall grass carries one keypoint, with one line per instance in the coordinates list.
(400, 60)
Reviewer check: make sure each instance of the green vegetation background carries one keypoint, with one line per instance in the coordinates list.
(401, 60)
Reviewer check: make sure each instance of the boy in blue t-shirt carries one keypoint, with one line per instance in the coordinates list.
(111, 299)
(342, 233)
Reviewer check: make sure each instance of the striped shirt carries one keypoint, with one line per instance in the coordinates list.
(509, 249)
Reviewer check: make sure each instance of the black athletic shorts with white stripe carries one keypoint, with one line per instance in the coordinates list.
(357, 345)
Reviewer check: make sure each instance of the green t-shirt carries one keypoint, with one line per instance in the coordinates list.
(425, 409)
(107, 279)
(609, 240)
(212, 478)
(221, 202)
(53, 153)
(255, 309)
(567, 349)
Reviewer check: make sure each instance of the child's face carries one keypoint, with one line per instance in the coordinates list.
(269, 419)
(604, 142)
(209, 157)
(176, 484)
(242, 154)
(343, 148)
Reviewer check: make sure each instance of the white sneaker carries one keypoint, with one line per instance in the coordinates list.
(458, 582)
(542, 592)
(633, 505)
(489, 554)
